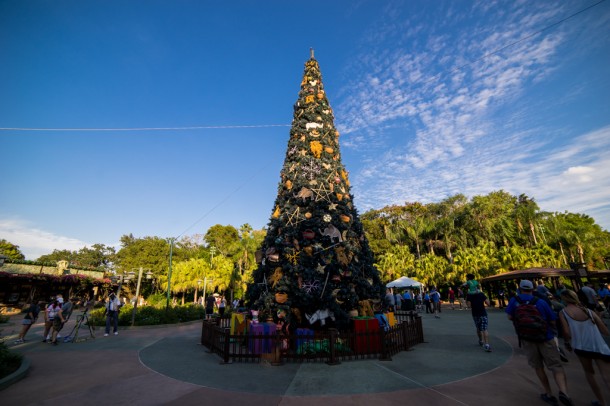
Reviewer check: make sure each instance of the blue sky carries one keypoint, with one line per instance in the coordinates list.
(432, 98)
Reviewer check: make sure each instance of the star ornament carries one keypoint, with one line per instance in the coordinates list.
(322, 193)
(295, 217)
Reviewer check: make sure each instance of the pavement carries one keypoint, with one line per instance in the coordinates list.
(166, 365)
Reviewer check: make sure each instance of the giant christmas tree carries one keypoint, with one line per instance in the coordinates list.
(316, 265)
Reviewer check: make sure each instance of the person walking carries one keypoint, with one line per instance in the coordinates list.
(210, 302)
(64, 316)
(534, 321)
(112, 314)
(50, 313)
(397, 301)
(501, 298)
(582, 333)
(427, 302)
(460, 297)
(222, 304)
(451, 297)
(435, 298)
(30, 318)
(477, 303)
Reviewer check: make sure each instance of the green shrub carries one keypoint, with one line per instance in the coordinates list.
(150, 316)
(9, 361)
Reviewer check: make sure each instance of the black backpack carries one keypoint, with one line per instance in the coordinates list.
(529, 323)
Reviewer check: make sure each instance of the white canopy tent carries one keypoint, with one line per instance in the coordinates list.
(405, 282)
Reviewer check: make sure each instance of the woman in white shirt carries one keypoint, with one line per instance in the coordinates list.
(583, 329)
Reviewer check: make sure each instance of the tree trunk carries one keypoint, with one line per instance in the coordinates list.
(533, 233)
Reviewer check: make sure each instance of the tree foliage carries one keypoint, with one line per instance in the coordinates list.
(10, 250)
(98, 256)
(488, 234)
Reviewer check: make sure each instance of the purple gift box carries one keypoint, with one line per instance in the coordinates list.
(261, 337)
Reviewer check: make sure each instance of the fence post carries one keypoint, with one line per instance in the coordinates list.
(332, 338)
(420, 329)
(384, 356)
(203, 332)
(226, 347)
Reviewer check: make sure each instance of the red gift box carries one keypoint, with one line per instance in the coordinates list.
(368, 339)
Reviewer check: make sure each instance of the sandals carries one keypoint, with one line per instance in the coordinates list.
(551, 400)
(563, 398)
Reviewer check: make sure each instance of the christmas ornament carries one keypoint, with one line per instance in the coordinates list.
(281, 297)
(304, 194)
(293, 257)
(309, 234)
(327, 218)
(275, 278)
(288, 184)
(311, 170)
(310, 126)
(276, 213)
(311, 286)
(332, 232)
(316, 148)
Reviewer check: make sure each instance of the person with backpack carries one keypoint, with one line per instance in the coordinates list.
(534, 322)
(435, 298)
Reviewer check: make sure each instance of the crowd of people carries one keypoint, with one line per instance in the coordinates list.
(541, 318)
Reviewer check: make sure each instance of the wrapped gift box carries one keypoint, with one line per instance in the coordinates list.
(238, 323)
(303, 336)
(391, 318)
(261, 337)
(367, 339)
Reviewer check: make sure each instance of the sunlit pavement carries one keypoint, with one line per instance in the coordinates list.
(165, 365)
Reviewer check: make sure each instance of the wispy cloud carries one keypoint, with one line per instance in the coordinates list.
(453, 97)
(34, 242)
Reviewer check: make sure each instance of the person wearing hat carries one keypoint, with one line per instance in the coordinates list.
(545, 352)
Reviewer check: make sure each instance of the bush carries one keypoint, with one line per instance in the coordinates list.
(150, 316)
(9, 361)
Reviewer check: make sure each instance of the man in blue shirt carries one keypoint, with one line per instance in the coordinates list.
(544, 353)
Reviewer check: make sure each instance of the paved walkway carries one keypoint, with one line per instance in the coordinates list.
(166, 365)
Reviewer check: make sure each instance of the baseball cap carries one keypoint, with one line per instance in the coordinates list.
(527, 285)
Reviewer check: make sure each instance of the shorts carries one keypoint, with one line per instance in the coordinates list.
(27, 322)
(57, 324)
(540, 354)
(481, 322)
(592, 355)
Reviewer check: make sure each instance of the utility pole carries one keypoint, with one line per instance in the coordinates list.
(169, 272)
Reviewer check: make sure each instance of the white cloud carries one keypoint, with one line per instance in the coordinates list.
(34, 242)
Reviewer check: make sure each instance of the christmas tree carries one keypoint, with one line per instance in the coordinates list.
(316, 267)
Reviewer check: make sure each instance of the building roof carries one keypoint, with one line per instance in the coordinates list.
(530, 273)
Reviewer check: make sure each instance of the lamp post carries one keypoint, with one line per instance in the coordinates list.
(169, 272)
(197, 289)
(205, 279)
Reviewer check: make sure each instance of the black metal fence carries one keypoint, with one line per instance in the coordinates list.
(331, 346)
